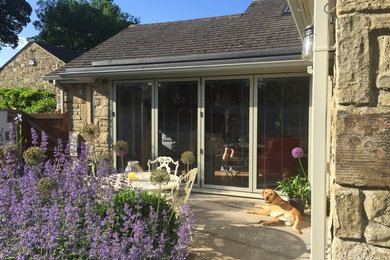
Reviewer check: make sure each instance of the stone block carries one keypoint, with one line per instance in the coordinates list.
(351, 6)
(377, 206)
(351, 250)
(377, 234)
(353, 84)
(347, 215)
(384, 99)
(383, 77)
(101, 111)
(103, 138)
(362, 147)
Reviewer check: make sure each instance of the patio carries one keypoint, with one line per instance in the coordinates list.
(224, 231)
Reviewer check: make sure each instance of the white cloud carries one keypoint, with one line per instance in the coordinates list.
(22, 42)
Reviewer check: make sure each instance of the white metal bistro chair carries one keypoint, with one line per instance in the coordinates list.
(163, 162)
(189, 180)
(179, 194)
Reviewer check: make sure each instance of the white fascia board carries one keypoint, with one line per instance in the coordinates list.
(125, 71)
(303, 12)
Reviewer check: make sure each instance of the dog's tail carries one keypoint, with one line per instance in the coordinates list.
(297, 224)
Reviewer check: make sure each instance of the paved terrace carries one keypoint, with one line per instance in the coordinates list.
(224, 231)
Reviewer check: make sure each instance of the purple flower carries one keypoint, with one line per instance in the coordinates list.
(297, 152)
(34, 137)
(50, 213)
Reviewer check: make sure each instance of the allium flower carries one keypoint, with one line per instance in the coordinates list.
(121, 147)
(187, 157)
(297, 152)
(45, 186)
(90, 131)
(159, 176)
(34, 156)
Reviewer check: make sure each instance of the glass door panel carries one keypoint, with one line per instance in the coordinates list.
(134, 120)
(283, 116)
(227, 132)
(177, 119)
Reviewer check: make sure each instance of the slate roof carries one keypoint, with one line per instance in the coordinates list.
(65, 55)
(262, 26)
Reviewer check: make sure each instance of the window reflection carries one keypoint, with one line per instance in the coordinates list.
(283, 105)
(134, 120)
(177, 119)
(227, 132)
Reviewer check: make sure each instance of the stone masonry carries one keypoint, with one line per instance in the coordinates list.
(360, 172)
(78, 103)
(19, 73)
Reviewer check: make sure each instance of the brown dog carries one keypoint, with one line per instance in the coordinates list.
(279, 209)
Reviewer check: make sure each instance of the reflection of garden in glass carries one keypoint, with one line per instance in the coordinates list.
(134, 120)
(283, 107)
(227, 132)
(177, 119)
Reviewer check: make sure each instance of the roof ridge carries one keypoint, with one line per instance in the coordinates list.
(188, 20)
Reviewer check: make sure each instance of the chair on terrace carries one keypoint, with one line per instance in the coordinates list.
(179, 194)
(164, 162)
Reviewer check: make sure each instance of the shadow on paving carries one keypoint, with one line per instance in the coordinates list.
(224, 231)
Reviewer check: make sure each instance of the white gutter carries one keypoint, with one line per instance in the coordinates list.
(138, 70)
(318, 130)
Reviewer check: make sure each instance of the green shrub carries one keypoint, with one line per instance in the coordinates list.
(27, 100)
(141, 203)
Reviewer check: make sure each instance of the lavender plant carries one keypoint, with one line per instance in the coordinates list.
(62, 211)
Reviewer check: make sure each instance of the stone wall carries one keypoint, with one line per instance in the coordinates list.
(19, 72)
(78, 101)
(101, 92)
(360, 175)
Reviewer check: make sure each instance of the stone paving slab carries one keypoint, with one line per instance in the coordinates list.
(224, 231)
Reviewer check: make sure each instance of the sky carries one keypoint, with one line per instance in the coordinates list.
(149, 11)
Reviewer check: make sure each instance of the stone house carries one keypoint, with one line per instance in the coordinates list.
(27, 67)
(237, 84)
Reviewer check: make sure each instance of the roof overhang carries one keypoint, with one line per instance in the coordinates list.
(303, 12)
(211, 63)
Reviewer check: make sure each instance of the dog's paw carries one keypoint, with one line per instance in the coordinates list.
(261, 222)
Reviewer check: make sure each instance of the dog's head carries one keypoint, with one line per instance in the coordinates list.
(269, 195)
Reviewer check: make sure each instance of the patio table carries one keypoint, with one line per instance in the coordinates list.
(142, 181)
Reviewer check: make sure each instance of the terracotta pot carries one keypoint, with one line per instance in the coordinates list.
(298, 203)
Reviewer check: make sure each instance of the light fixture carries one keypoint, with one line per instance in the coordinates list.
(33, 62)
(307, 48)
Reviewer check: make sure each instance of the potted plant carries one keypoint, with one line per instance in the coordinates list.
(297, 188)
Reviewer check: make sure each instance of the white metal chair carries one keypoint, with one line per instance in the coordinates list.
(180, 195)
(163, 162)
(189, 180)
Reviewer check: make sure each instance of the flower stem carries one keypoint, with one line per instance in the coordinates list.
(122, 163)
(300, 163)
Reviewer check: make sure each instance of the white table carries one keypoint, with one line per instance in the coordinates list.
(142, 181)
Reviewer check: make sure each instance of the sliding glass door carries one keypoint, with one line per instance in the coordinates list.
(177, 119)
(226, 138)
(133, 120)
(283, 118)
(167, 118)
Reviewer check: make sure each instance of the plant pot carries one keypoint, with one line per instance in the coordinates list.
(298, 203)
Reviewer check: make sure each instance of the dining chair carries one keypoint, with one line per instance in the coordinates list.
(163, 162)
